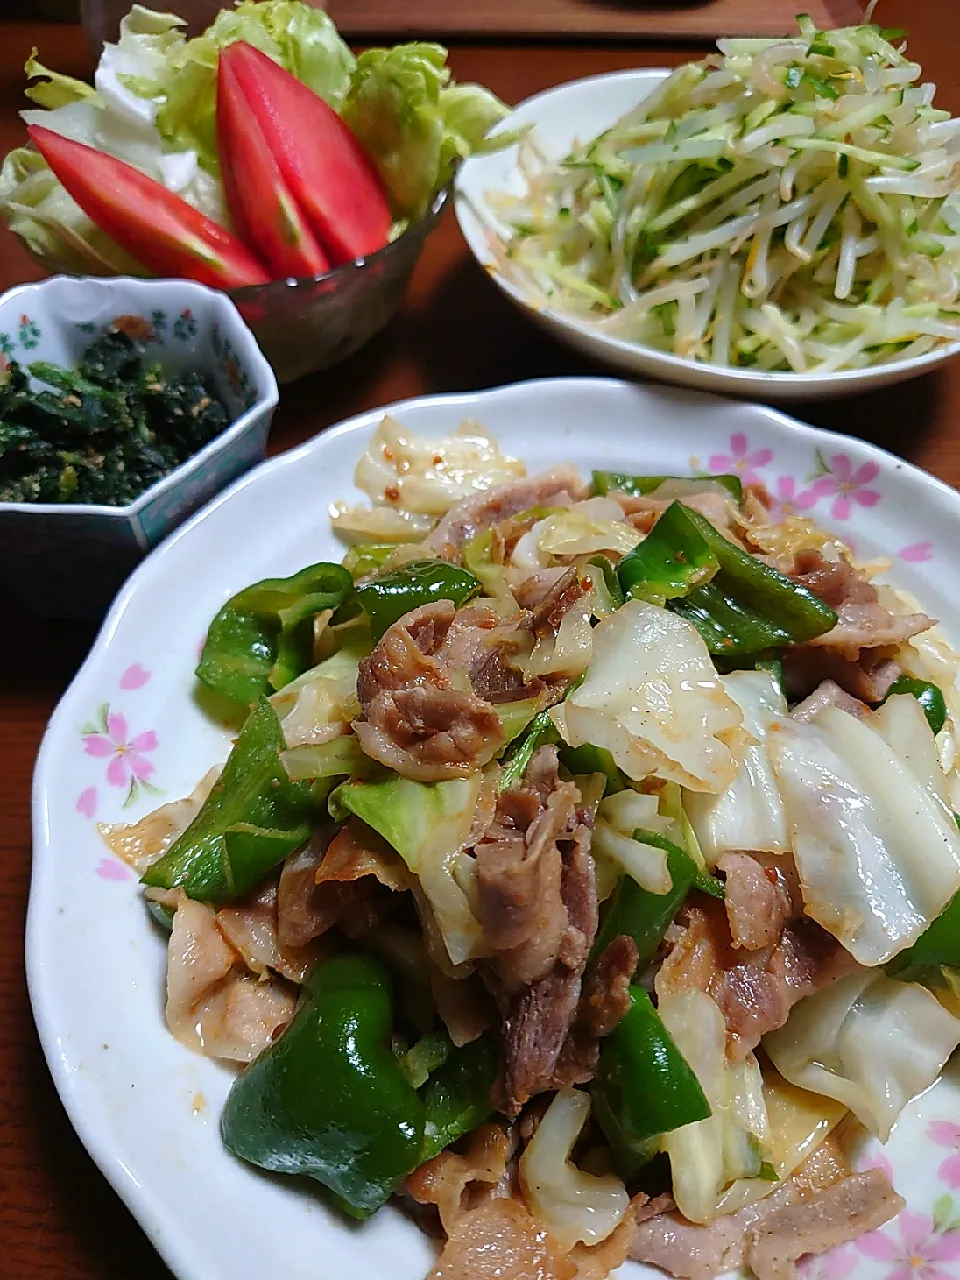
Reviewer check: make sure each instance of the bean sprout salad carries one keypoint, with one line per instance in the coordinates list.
(780, 205)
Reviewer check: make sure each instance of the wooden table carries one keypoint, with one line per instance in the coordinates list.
(58, 1217)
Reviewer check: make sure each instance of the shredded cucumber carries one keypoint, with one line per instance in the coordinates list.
(781, 205)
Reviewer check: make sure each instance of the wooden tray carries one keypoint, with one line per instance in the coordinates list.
(567, 19)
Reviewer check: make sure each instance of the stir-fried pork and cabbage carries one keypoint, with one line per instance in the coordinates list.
(584, 875)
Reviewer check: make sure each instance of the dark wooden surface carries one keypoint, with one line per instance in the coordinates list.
(58, 1218)
(613, 19)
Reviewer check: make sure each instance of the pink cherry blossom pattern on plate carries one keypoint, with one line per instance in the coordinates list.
(916, 552)
(914, 1249)
(837, 477)
(135, 677)
(111, 869)
(741, 461)
(835, 1264)
(946, 1133)
(110, 739)
(87, 802)
(788, 500)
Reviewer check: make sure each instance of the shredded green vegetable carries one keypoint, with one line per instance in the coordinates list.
(785, 206)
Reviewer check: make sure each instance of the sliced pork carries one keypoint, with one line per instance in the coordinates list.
(754, 990)
(821, 1206)
(862, 621)
(537, 903)
(762, 894)
(558, 487)
(414, 718)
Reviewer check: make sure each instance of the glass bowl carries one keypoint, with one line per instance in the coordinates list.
(304, 325)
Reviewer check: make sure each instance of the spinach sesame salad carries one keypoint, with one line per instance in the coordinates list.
(102, 433)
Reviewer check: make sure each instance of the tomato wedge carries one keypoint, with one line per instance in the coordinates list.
(164, 233)
(328, 172)
(263, 208)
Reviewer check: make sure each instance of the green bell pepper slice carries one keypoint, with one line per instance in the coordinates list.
(540, 732)
(252, 819)
(262, 638)
(640, 486)
(738, 604)
(388, 596)
(590, 759)
(937, 948)
(928, 695)
(329, 1098)
(645, 916)
(457, 1095)
(644, 1087)
(670, 562)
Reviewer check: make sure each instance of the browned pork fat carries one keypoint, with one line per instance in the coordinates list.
(754, 990)
(558, 487)
(415, 720)
(862, 621)
(644, 510)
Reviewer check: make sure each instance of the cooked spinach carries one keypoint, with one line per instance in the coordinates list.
(102, 433)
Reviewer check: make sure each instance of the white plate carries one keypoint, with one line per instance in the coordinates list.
(147, 1108)
(576, 112)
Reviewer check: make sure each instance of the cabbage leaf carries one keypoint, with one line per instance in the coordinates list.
(878, 856)
(653, 699)
(710, 1155)
(749, 813)
(868, 1041)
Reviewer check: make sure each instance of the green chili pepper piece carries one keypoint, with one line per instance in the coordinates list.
(540, 732)
(262, 638)
(937, 947)
(644, 1086)
(367, 557)
(387, 597)
(741, 606)
(457, 1095)
(671, 561)
(639, 486)
(590, 759)
(927, 694)
(252, 819)
(329, 1099)
(645, 916)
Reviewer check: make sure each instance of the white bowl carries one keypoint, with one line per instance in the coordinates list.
(147, 1108)
(576, 112)
(68, 558)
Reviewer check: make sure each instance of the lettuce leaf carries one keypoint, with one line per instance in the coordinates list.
(300, 38)
(413, 123)
(50, 88)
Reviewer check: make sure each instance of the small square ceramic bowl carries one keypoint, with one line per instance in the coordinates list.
(68, 559)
